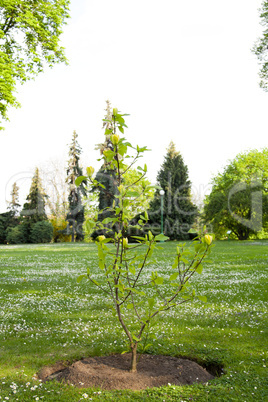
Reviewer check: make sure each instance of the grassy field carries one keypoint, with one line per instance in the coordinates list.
(45, 316)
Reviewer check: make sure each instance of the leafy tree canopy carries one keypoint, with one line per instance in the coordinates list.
(29, 37)
(239, 197)
(261, 47)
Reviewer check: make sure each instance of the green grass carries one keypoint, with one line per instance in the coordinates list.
(45, 316)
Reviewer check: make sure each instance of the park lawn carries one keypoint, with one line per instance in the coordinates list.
(46, 316)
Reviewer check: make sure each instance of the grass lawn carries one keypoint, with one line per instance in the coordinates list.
(45, 316)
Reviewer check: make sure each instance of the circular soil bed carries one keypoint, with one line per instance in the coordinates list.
(112, 372)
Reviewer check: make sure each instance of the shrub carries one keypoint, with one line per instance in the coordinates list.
(59, 232)
(42, 232)
(16, 235)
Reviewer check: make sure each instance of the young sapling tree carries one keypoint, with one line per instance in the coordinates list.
(138, 293)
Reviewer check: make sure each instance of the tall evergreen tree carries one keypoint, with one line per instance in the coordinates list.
(14, 203)
(75, 216)
(33, 210)
(178, 210)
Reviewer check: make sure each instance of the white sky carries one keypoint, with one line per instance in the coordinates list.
(182, 69)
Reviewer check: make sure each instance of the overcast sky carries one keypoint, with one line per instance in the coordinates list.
(184, 71)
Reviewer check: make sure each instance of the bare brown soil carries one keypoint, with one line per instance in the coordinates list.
(112, 372)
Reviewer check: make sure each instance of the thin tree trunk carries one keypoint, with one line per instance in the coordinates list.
(134, 358)
(73, 232)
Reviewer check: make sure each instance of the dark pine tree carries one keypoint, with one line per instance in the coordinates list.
(75, 216)
(33, 210)
(178, 210)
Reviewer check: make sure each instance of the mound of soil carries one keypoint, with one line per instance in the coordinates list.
(112, 372)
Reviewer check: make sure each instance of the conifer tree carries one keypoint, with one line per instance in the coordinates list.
(75, 216)
(33, 210)
(14, 203)
(178, 210)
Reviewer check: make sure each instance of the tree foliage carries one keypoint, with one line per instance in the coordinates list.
(17, 235)
(14, 203)
(75, 216)
(53, 175)
(34, 208)
(59, 230)
(239, 197)
(42, 232)
(6, 222)
(179, 210)
(261, 47)
(30, 33)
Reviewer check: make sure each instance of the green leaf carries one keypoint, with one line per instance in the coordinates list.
(138, 292)
(159, 280)
(79, 180)
(187, 297)
(198, 247)
(173, 276)
(109, 155)
(161, 237)
(80, 277)
(138, 238)
(89, 225)
(151, 302)
(202, 298)
(132, 194)
(132, 269)
(101, 264)
(108, 220)
(176, 262)
(147, 347)
(199, 269)
(130, 306)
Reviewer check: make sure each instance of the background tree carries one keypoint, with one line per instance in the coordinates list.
(6, 222)
(261, 47)
(14, 204)
(54, 181)
(42, 232)
(239, 197)
(179, 210)
(75, 216)
(34, 209)
(29, 37)
(10, 219)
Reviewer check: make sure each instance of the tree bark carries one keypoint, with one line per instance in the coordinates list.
(134, 358)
